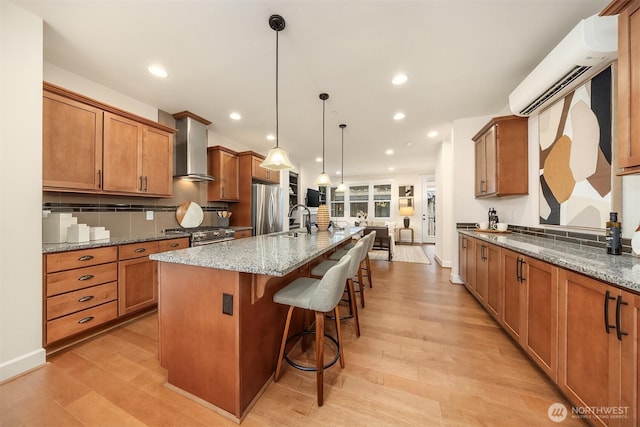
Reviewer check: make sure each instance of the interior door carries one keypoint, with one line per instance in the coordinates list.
(428, 208)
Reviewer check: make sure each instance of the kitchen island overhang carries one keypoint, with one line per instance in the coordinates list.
(219, 329)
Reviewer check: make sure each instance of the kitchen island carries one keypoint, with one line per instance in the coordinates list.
(219, 329)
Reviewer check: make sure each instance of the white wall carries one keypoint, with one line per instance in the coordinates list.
(445, 225)
(20, 191)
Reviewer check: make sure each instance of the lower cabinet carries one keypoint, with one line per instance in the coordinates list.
(467, 261)
(87, 288)
(598, 348)
(531, 307)
(137, 277)
(242, 234)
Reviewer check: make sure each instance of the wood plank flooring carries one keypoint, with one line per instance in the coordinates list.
(429, 355)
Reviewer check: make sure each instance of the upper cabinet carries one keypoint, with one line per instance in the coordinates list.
(224, 165)
(628, 12)
(501, 155)
(89, 147)
(262, 174)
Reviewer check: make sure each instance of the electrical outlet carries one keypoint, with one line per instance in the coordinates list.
(149, 215)
(227, 304)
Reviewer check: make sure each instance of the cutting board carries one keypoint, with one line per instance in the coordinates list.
(189, 215)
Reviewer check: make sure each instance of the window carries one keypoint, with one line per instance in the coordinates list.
(358, 199)
(337, 203)
(382, 200)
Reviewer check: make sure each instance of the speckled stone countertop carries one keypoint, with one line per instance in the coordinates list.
(48, 248)
(274, 254)
(622, 270)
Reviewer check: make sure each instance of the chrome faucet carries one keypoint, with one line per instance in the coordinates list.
(307, 223)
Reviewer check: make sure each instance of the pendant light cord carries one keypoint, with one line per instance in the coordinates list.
(323, 101)
(342, 162)
(277, 141)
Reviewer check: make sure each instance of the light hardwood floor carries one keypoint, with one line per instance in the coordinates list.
(429, 355)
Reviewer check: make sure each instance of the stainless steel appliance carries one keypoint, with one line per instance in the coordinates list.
(267, 212)
(206, 235)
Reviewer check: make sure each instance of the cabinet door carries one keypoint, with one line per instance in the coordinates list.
(157, 162)
(490, 155)
(225, 167)
(513, 293)
(137, 285)
(481, 168)
(494, 288)
(122, 151)
(71, 144)
(589, 349)
(462, 257)
(540, 338)
(482, 270)
(257, 171)
(629, 88)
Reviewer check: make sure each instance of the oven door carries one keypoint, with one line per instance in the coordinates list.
(211, 242)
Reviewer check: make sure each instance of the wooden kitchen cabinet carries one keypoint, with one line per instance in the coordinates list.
(80, 289)
(71, 144)
(530, 307)
(137, 159)
(490, 270)
(501, 157)
(224, 165)
(598, 346)
(91, 147)
(467, 261)
(242, 234)
(137, 278)
(628, 12)
(261, 173)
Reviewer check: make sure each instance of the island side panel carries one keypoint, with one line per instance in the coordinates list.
(261, 327)
(199, 344)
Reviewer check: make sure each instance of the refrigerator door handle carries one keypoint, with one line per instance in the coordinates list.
(271, 211)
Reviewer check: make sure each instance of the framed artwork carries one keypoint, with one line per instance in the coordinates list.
(405, 191)
(575, 156)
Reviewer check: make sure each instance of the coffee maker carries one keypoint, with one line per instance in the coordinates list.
(493, 218)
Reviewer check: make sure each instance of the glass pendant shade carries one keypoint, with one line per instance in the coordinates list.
(276, 160)
(323, 179)
(342, 187)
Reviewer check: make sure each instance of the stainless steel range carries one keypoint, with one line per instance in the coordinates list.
(205, 235)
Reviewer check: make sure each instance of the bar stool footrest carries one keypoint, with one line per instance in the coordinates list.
(312, 368)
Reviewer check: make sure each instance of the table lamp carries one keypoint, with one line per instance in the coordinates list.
(407, 211)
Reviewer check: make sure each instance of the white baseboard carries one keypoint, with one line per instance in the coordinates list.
(455, 278)
(442, 263)
(22, 364)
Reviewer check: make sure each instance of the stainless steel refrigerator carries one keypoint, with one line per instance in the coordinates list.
(267, 214)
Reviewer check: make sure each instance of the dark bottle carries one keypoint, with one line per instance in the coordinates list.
(614, 229)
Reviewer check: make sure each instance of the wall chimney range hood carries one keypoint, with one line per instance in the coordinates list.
(190, 147)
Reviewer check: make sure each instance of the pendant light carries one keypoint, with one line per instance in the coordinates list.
(323, 179)
(277, 158)
(342, 187)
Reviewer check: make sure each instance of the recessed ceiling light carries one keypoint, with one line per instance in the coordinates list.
(392, 168)
(318, 159)
(271, 137)
(158, 71)
(399, 79)
(409, 143)
(338, 173)
(398, 116)
(389, 152)
(432, 134)
(235, 116)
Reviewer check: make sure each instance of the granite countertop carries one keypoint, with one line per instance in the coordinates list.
(48, 248)
(622, 270)
(274, 254)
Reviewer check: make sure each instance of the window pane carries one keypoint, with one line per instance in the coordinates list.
(336, 197)
(337, 210)
(358, 206)
(359, 193)
(382, 209)
(382, 192)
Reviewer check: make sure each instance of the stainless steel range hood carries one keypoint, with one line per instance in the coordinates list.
(190, 147)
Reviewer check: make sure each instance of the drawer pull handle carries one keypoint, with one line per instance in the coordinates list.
(85, 258)
(85, 277)
(85, 319)
(619, 330)
(140, 250)
(607, 326)
(175, 245)
(86, 298)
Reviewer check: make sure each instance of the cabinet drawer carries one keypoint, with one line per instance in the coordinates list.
(173, 244)
(241, 234)
(81, 321)
(137, 250)
(71, 302)
(66, 281)
(82, 258)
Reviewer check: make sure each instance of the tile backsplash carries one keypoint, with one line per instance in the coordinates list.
(125, 216)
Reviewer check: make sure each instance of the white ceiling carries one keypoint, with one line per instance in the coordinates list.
(463, 58)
